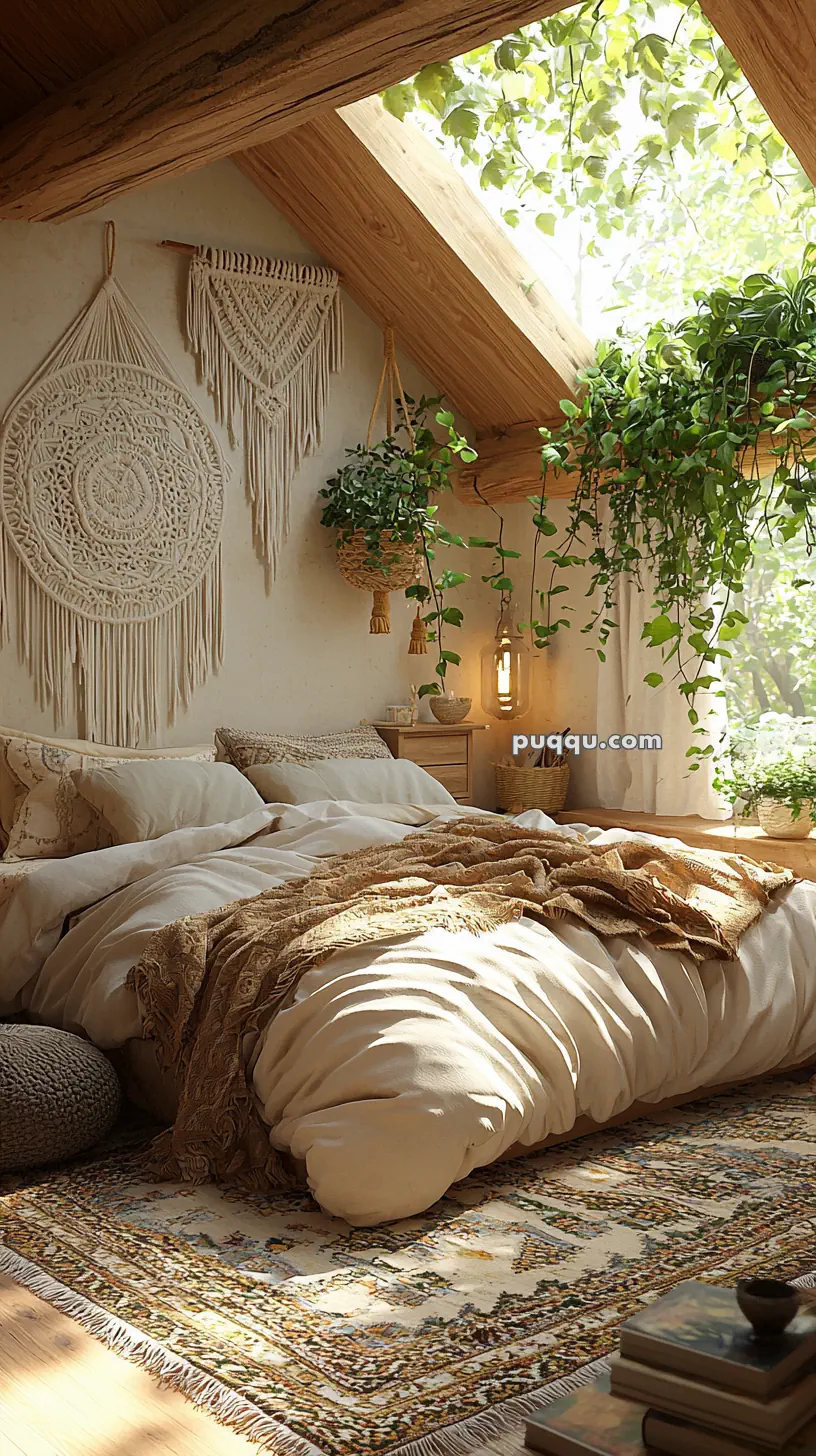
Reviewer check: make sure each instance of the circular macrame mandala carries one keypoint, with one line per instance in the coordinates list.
(111, 500)
(112, 490)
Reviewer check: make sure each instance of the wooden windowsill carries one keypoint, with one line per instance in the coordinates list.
(731, 836)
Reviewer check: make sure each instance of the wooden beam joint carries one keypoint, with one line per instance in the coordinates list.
(509, 468)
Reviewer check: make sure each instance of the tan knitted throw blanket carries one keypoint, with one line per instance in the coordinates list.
(209, 984)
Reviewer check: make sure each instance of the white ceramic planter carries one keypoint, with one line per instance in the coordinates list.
(778, 821)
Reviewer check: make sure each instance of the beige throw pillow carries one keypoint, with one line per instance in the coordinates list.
(245, 748)
(142, 801)
(42, 815)
(359, 780)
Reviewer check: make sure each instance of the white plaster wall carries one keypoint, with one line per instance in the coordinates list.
(301, 657)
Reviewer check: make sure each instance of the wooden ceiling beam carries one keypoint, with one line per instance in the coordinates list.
(222, 78)
(509, 469)
(774, 44)
(417, 249)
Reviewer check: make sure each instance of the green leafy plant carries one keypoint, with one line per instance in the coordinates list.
(497, 578)
(789, 780)
(388, 489)
(665, 447)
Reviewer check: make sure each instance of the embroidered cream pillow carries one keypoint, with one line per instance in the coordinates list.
(43, 816)
(244, 748)
(145, 800)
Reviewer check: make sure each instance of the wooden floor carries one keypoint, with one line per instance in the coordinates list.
(63, 1393)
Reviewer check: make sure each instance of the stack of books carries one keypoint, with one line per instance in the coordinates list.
(691, 1379)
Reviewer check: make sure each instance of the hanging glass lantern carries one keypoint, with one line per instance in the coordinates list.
(506, 672)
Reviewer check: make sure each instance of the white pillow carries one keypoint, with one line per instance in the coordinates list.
(41, 814)
(360, 780)
(145, 800)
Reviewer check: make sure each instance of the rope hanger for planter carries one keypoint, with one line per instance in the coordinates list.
(390, 377)
(405, 561)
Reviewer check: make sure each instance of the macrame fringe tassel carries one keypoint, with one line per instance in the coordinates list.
(419, 637)
(380, 614)
(129, 677)
(279, 420)
(126, 676)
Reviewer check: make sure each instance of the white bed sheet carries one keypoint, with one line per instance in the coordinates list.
(401, 1066)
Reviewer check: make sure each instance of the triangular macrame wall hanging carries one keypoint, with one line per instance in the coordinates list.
(111, 502)
(267, 335)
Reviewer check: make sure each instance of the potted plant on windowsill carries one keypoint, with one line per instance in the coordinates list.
(780, 791)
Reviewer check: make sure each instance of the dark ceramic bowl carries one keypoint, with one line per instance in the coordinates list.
(768, 1304)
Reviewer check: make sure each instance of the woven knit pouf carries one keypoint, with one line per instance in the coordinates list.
(58, 1095)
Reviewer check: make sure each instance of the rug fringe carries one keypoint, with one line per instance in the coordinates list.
(248, 1420)
(459, 1439)
(203, 1390)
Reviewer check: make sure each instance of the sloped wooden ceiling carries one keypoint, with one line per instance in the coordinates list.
(418, 250)
(47, 44)
(224, 75)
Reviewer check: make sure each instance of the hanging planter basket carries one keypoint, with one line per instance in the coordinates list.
(396, 564)
(400, 566)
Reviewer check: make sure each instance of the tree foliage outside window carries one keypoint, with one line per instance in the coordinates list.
(627, 125)
(775, 669)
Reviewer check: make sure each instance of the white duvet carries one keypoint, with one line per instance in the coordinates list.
(401, 1066)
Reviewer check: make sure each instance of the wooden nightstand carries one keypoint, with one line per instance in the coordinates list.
(444, 750)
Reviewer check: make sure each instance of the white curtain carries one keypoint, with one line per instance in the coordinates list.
(652, 781)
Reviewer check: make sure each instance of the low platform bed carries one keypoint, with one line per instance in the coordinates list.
(396, 1067)
(152, 1088)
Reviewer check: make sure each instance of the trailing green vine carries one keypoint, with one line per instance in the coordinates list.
(666, 449)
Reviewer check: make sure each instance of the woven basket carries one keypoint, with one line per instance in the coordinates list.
(532, 788)
(403, 563)
(777, 821)
(450, 710)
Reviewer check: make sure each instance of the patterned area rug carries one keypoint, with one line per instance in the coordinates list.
(425, 1337)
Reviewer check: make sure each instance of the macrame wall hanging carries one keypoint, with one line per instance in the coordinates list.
(111, 502)
(267, 335)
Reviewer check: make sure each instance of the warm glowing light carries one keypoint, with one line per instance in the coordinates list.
(506, 673)
(503, 670)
